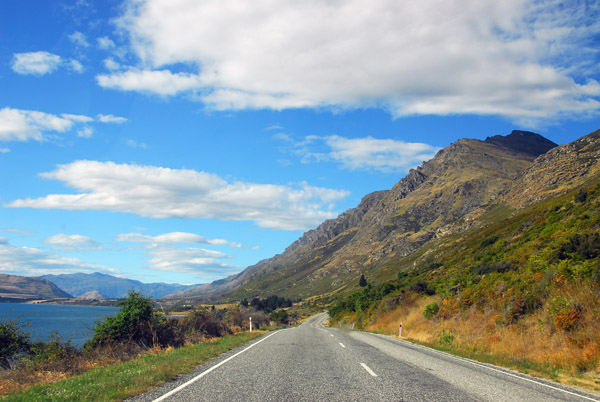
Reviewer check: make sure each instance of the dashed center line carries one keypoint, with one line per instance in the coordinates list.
(342, 345)
(331, 334)
(368, 370)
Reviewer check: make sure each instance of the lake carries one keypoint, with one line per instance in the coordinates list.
(69, 321)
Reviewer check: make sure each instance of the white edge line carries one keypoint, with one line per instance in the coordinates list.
(182, 386)
(368, 370)
(521, 376)
(342, 345)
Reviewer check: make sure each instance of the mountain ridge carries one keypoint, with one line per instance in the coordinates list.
(460, 180)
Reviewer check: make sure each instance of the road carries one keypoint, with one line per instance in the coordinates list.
(315, 363)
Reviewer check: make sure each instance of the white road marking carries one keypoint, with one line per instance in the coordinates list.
(331, 334)
(342, 345)
(199, 376)
(368, 370)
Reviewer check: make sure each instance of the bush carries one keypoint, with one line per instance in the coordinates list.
(13, 342)
(280, 316)
(431, 310)
(136, 323)
(203, 322)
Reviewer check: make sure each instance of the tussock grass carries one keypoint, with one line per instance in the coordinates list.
(119, 381)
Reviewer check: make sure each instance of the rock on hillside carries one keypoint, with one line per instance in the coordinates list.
(557, 171)
(21, 288)
(455, 185)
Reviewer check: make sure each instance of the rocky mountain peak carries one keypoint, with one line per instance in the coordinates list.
(523, 142)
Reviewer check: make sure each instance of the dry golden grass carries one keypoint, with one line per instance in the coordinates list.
(533, 343)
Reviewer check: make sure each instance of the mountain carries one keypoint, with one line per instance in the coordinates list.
(110, 286)
(442, 196)
(19, 288)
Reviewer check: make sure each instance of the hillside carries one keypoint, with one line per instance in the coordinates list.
(440, 197)
(110, 286)
(522, 285)
(19, 288)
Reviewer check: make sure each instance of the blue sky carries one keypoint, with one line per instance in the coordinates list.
(182, 140)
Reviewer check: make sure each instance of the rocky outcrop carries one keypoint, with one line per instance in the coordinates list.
(557, 171)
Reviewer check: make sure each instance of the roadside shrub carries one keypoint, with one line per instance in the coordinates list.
(203, 322)
(14, 343)
(431, 310)
(136, 322)
(280, 316)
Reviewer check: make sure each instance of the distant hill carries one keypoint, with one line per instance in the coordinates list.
(19, 288)
(110, 286)
(444, 195)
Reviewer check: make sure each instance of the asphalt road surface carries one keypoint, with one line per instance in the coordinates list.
(315, 363)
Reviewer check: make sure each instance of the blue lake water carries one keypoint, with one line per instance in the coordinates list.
(68, 321)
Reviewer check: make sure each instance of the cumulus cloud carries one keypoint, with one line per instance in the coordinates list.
(105, 43)
(72, 242)
(112, 65)
(79, 39)
(159, 192)
(368, 153)
(76, 66)
(25, 125)
(34, 262)
(194, 261)
(174, 238)
(35, 63)
(517, 58)
(162, 82)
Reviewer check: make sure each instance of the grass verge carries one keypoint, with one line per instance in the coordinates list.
(120, 381)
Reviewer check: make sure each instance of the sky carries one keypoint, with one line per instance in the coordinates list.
(182, 141)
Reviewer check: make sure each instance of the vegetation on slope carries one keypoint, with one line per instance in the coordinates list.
(525, 287)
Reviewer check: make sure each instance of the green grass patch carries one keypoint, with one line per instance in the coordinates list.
(120, 381)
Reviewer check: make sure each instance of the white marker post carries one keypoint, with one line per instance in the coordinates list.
(250, 324)
(400, 330)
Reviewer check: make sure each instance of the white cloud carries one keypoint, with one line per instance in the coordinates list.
(105, 43)
(368, 153)
(109, 118)
(524, 59)
(35, 63)
(76, 66)
(72, 242)
(162, 82)
(79, 39)
(168, 193)
(85, 132)
(174, 238)
(135, 144)
(112, 65)
(4, 150)
(34, 262)
(190, 260)
(25, 125)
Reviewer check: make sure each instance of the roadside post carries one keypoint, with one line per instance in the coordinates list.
(250, 324)
(400, 330)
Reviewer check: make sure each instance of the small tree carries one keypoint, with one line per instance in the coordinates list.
(362, 282)
(13, 342)
(133, 323)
